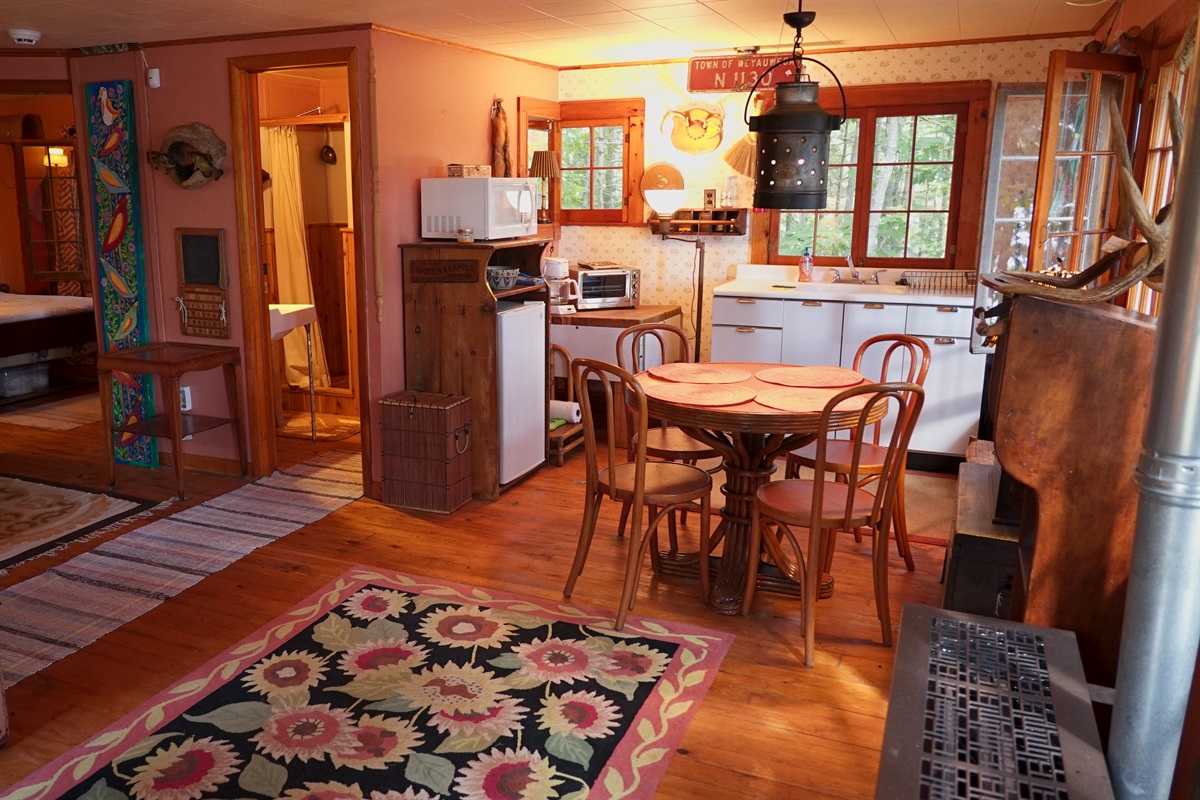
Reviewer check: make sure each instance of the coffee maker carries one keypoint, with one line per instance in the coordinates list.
(563, 289)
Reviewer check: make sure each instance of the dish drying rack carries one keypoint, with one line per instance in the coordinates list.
(938, 282)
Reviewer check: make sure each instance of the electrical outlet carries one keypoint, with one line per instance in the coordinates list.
(710, 198)
(185, 398)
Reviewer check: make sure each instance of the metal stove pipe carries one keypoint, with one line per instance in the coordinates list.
(1162, 609)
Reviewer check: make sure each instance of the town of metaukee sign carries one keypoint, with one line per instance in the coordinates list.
(737, 73)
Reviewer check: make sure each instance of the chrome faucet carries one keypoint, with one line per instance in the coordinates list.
(854, 270)
(837, 275)
(875, 277)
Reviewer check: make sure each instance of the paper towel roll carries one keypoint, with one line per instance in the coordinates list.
(561, 409)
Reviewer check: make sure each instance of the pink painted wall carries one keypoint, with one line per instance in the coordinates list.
(426, 116)
(33, 67)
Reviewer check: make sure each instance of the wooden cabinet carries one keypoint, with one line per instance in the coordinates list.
(1071, 407)
(450, 325)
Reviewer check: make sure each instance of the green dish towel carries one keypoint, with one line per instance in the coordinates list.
(557, 423)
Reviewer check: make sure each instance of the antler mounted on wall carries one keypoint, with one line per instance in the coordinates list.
(1144, 259)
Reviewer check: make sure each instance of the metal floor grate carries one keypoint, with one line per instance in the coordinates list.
(992, 700)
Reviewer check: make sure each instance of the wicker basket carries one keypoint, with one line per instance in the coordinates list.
(426, 451)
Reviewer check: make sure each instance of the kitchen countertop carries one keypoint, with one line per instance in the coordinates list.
(616, 317)
(779, 281)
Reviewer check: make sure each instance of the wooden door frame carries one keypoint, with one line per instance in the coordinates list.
(256, 356)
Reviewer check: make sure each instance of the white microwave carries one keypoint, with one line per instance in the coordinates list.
(492, 208)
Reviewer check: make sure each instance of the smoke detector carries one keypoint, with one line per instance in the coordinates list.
(24, 37)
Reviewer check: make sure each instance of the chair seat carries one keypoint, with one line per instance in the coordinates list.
(666, 481)
(791, 501)
(839, 453)
(672, 443)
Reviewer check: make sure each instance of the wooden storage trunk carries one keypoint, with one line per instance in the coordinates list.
(426, 450)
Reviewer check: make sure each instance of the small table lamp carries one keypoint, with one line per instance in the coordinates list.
(663, 190)
(545, 165)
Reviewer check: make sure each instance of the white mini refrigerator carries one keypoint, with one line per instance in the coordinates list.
(521, 371)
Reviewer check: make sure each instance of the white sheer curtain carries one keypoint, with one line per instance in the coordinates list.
(285, 205)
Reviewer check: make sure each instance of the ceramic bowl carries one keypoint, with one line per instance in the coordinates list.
(500, 279)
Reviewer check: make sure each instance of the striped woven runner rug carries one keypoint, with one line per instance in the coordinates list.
(50, 616)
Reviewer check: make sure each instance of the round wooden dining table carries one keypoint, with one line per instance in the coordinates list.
(751, 413)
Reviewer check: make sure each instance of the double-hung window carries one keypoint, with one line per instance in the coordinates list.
(897, 182)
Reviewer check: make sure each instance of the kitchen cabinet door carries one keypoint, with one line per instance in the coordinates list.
(860, 322)
(953, 391)
(812, 332)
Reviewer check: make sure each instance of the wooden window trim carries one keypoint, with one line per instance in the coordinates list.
(966, 228)
(630, 112)
(1060, 62)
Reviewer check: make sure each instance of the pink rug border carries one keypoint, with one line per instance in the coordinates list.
(638, 763)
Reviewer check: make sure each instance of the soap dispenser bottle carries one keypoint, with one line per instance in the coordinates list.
(806, 266)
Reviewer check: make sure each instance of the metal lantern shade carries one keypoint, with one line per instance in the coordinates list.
(793, 149)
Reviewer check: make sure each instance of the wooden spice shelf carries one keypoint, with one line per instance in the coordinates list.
(706, 222)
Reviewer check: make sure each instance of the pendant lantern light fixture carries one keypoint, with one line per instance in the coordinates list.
(792, 162)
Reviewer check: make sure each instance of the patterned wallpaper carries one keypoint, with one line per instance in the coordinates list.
(668, 275)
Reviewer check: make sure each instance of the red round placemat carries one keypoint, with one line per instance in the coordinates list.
(701, 394)
(691, 372)
(812, 377)
(806, 400)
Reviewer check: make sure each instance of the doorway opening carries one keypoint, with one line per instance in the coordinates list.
(300, 210)
(308, 244)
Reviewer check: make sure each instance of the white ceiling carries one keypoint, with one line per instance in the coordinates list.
(560, 33)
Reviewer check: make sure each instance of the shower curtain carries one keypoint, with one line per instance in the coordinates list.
(283, 202)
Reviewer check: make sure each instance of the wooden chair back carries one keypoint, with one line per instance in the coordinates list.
(618, 393)
(900, 358)
(558, 354)
(631, 344)
(904, 401)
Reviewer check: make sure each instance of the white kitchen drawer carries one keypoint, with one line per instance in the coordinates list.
(746, 343)
(756, 311)
(939, 321)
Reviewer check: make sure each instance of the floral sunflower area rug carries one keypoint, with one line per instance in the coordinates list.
(386, 686)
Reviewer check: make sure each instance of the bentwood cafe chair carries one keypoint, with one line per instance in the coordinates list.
(825, 505)
(899, 358)
(662, 486)
(664, 442)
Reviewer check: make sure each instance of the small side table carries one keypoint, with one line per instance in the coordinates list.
(170, 361)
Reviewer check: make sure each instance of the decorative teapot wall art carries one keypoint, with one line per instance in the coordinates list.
(696, 129)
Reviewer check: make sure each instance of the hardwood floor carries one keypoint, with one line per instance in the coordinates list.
(768, 728)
